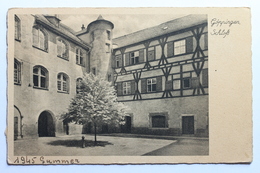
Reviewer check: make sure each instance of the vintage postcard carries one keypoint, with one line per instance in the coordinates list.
(129, 86)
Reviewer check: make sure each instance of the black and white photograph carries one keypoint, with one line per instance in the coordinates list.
(107, 84)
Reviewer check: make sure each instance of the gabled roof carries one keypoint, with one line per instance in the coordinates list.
(62, 30)
(162, 29)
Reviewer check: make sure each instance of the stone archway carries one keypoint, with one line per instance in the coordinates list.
(46, 125)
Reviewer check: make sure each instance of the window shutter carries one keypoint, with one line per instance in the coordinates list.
(151, 55)
(206, 41)
(143, 85)
(168, 85)
(119, 88)
(205, 77)
(189, 44)
(159, 83)
(141, 55)
(120, 60)
(170, 49)
(194, 82)
(132, 87)
(127, 59)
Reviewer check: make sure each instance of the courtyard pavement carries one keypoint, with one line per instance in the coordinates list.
(111, 145)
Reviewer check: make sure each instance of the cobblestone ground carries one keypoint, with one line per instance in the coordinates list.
(72, 146)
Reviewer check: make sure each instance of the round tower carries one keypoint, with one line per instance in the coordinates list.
(100, 33)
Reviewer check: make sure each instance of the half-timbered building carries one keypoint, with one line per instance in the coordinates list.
(161, 73)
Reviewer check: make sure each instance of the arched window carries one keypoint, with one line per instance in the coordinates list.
(40, 77)
(39, 38)
(17, 72)
(79, 85)
(79, 57)
(17, 34)
(63, 83)
(62, 49)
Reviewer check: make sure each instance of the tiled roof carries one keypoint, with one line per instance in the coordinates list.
(164, 28)
(63, 29)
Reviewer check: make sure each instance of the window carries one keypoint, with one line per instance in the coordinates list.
(17, 34)
(186, 83)
(179, 47)
(79, 57)
(40, 77)
(63, 83)
(108, 35)
(62, 49)
(107, 48)
(134, 57)
(79, 85)
(17, 72)
(39, 39)
(126, 88)
(151, 85)
(159, 121)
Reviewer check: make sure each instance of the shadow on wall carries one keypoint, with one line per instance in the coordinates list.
(78, 143)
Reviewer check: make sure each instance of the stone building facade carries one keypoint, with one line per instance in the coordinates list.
(161, 74)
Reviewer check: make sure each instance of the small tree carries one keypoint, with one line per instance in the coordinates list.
(95, 102)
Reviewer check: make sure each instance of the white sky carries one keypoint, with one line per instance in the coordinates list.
(123, 24)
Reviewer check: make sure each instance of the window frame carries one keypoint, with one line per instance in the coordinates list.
(40, 76)
(135, 59)
(66, 46)
(17, 25)
(181, 48)
(151, 84)
(108, 35)
(17, 72)
(79, 57)
(107, 48)
(43, 40)
(62, 82)
(159, 114)
(126, 88)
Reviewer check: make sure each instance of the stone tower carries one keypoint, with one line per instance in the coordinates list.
(100, 37)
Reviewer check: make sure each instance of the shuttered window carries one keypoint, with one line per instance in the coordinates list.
(79, 57)
(151, 85)
(126, 88)
(39, 39)
(17, 72)
(141, 55)
(62, 49)
(17, 35)
(179, 47)
(143, 85)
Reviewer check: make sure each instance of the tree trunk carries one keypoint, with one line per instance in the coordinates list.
(95, 133)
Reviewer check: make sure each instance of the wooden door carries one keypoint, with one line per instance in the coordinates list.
(188, 125)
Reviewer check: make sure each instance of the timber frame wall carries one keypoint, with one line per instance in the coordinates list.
(191, 66)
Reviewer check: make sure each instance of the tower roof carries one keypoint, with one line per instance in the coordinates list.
(100, 17)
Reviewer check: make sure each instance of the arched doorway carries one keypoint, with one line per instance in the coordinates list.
(46, 126)
(17, 123)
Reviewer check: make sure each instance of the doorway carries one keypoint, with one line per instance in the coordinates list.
(188, 125)
(126, 128)
(46, 127)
